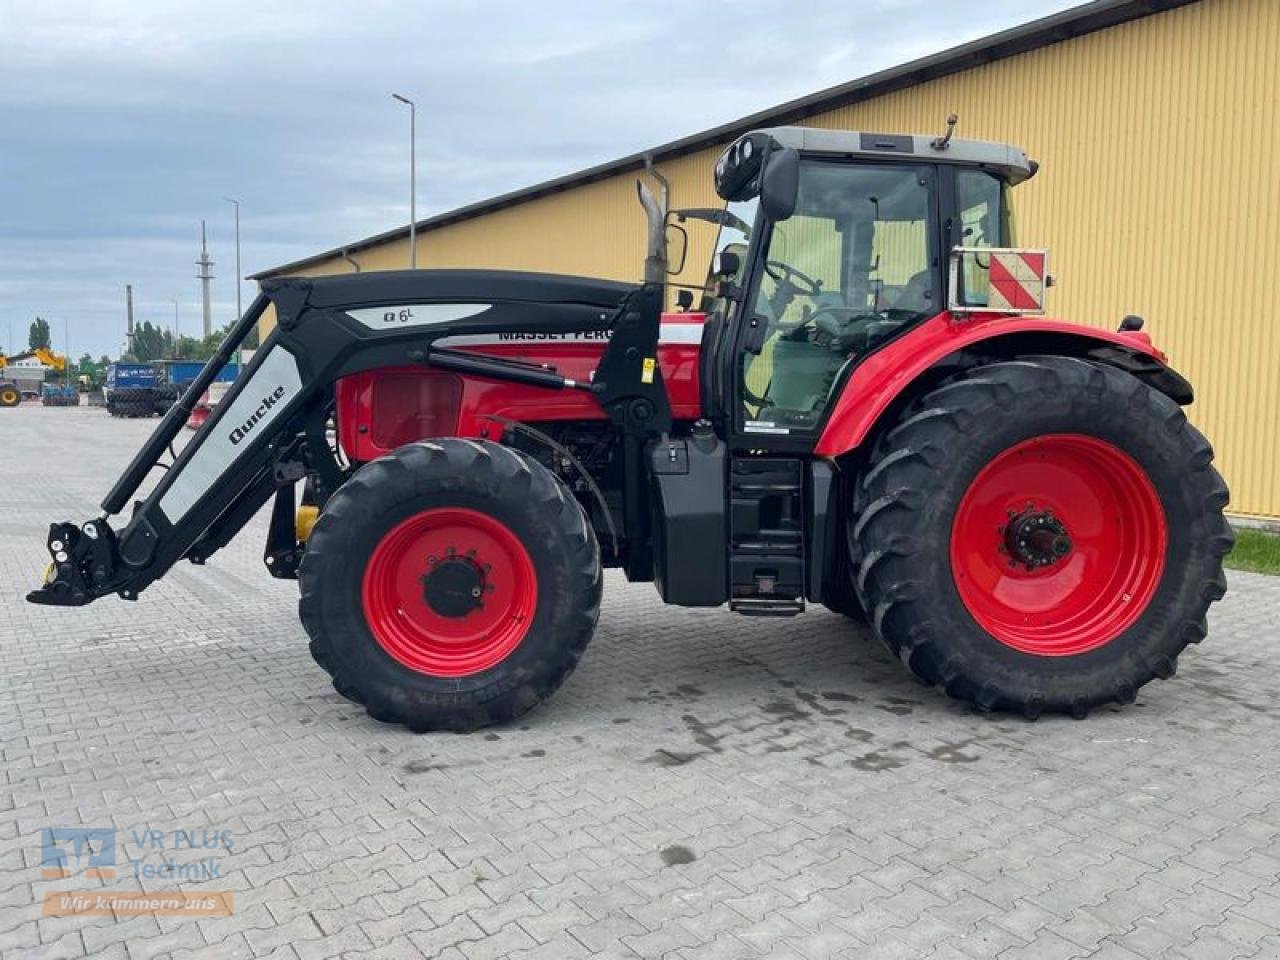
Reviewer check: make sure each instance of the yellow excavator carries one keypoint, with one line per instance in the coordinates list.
(10, 392)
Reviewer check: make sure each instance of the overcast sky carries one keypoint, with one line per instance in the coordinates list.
(122, 125)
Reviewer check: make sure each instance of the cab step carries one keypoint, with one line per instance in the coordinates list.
(762, 607)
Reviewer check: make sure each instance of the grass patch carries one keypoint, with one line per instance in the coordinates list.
(1255, 551)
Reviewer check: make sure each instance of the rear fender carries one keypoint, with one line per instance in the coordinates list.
(890, 377)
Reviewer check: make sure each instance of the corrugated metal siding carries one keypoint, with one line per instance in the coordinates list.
(1158, 196)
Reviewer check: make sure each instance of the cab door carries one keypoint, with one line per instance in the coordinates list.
(856, 264)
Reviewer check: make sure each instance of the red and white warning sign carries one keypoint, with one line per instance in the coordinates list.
(1016, 280)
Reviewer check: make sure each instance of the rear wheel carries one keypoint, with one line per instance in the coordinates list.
(451, 585)
(1041, 535)
(9, 396)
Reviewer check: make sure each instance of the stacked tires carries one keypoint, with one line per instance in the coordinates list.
(132, 402)
(1044, 535)
(163, 397)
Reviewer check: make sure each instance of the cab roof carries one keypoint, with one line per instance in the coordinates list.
(1006, 160)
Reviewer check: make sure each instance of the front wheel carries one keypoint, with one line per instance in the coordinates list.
(1041, 535)
(451, 584)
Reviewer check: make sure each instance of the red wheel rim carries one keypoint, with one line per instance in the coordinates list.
(1040, 599)
(450, 592)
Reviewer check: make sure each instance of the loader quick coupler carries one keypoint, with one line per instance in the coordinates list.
(82, 566)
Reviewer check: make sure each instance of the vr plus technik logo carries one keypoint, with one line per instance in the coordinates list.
(89, 853)
(86, 851)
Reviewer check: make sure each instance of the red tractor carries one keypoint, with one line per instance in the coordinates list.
(865, 412)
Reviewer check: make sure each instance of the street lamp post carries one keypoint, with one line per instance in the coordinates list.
(239, 308)
(236, 203)
(413, 179)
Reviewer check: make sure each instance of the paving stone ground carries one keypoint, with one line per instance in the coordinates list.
(704, 786)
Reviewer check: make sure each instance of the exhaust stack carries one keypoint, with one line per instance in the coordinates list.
(655, 212)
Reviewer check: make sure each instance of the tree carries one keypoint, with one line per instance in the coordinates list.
(149, 342)
(39, 336)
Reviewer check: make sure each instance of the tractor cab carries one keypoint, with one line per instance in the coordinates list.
(831, 245)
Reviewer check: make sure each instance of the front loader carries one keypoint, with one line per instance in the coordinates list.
(867, 411)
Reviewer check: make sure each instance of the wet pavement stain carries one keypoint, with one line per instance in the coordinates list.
(840, 697)
(898, 710)
(534, 753)
(785, 710)
(952, 753)
(676, 855)
(670, 758)
(877, 761)
(702, 736)
(492, 736)
(899, 706)
(423, 766)
(811, 700)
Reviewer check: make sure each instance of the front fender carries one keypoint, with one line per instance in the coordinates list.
(890, 373)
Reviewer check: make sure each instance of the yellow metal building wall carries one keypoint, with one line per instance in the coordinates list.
(1157, 195)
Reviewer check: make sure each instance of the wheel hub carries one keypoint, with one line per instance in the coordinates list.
(454, 586)
(450, 591)
(1036, 538)
(1058, 544)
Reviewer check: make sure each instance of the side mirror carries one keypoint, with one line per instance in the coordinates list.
(675, 263)
(725, 264)
(998, 280)
(780, 183)
(684, 300)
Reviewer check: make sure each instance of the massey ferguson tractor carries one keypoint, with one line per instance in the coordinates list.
(865, 411)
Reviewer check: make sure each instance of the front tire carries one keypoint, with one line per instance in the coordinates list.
(1041, 535)
(450, 585)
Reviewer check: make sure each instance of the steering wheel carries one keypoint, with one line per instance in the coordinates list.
(785, 273)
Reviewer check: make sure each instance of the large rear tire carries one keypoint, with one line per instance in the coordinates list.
(9, 396)
(1041, 535)
(450, 585)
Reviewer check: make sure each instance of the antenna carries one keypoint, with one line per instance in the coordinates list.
(944, 141)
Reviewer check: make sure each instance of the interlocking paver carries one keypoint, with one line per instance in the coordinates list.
(831, 805)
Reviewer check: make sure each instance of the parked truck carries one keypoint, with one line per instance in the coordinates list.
(130, 389)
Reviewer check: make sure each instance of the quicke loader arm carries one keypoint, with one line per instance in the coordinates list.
(269, 431)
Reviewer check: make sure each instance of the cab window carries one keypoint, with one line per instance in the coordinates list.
(985, 221)
(850, 268)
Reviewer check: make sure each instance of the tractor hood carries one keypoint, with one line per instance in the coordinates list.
(417, 286)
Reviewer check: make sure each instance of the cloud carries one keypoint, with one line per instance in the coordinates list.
(122, 126)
